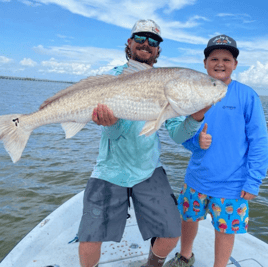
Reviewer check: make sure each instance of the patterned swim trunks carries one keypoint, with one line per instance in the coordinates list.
(229, 216)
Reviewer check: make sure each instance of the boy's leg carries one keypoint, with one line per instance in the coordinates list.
(229, 217)
(223, 248)
(89, 253)
(193, 207)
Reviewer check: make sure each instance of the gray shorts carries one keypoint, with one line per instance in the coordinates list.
(106, 208)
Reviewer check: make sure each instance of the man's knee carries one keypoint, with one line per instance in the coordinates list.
(89, 247)
(165, 244)
(89, 253)
(169, 242)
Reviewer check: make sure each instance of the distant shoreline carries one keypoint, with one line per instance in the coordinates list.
(32, 79)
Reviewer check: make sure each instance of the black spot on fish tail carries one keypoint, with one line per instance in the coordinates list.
(16, 121)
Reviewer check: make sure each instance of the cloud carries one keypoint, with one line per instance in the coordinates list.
(188, 58)
(5, 60)
(103, 9)
(191, 23)
(90, 55)
(108, 67)
(9, 67)
(30, 3)
(245, 18)
(257, 44)
(64, 37)
(28, 62)
(255, 76)
(249, 58)
(175, 5)
(76, 68)
(124, 13)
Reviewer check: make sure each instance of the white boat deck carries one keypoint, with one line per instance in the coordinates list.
(47, 244)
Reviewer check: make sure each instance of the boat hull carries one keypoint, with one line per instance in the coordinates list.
(48, 244)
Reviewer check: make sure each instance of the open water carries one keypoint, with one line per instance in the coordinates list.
(53, 169)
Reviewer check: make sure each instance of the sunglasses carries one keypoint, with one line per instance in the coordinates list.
(141, 39)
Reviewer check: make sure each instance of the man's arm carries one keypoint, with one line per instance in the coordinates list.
(102, 115)
(113, 127)
(181, 129)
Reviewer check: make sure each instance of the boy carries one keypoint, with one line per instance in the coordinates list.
(229, 160)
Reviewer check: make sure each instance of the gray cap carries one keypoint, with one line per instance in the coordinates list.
(222, 42)
(148, 26)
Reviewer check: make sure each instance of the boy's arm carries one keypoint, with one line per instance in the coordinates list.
(256, 132)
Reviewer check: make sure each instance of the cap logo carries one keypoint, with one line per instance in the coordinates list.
(222, 40)
(156, 30)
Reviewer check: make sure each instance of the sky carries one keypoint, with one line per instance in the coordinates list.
(69, 40)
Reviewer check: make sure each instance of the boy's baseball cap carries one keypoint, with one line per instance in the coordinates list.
(147, 26)
(222, 42)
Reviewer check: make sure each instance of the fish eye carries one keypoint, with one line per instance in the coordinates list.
(214, 84)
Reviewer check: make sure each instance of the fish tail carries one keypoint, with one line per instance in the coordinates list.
(13, 135)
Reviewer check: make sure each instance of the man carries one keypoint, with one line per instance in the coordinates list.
(129, 165)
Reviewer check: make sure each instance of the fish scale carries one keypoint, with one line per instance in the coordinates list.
(140, 93)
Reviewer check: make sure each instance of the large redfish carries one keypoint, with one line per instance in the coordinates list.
(140, 93)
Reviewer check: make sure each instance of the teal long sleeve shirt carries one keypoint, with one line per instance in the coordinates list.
(125, 158)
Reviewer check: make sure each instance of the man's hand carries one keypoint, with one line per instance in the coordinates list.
(246, 195)
(102, 115)
(204, 138)
(199, 116)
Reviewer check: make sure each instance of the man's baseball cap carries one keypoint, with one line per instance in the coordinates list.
(147, 26)
(222, 42)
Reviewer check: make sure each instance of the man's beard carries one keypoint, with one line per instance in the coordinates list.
(148, 61)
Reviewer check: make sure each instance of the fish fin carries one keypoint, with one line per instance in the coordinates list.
(150, 127)
(135, 66)
(72, 128)
(13, 135)
(185, 104)
(57, 96)
(83, 84)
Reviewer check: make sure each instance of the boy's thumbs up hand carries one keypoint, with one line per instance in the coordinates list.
(205, 128)
(204, 138)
